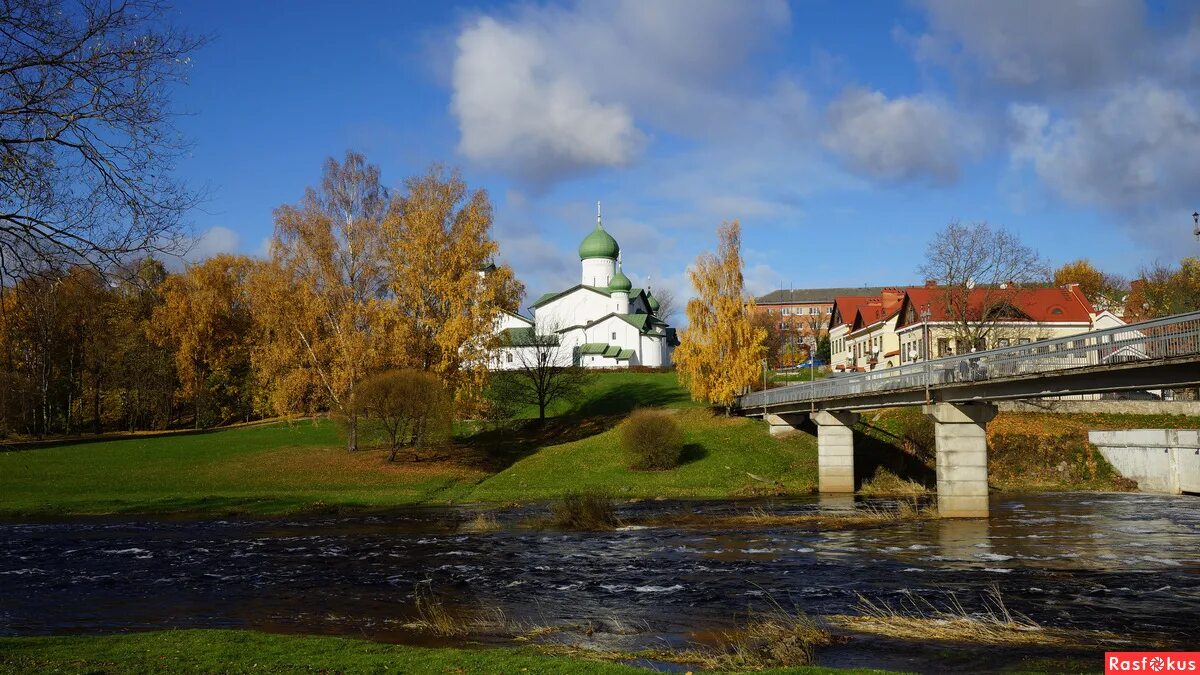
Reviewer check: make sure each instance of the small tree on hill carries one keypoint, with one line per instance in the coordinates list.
(545, 371)
(409, 407)
(720, 354)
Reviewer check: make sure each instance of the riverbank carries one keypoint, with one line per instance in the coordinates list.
(235, 651)
(284, 468)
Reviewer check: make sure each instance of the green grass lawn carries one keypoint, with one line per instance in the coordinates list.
(267, 468)
(229, 651)
(281, 468)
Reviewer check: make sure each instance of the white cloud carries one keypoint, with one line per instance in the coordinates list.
(216, 240)
(902, 138)
(514, 113)
(1027, 43)
(551, 92)
(1140, 146)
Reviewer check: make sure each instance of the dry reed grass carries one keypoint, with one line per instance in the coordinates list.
(919, 619)
(885, 483)
(863, 517)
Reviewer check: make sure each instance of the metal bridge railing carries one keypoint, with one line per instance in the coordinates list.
(1164, 338)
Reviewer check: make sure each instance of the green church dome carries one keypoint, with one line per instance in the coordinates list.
(620, 282)
(652, 301)
(599, 244)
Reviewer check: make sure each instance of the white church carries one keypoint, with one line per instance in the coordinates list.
(602, 322)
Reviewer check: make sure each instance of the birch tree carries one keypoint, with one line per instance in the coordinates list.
(446, 289)
(720, 354)
(319, 301)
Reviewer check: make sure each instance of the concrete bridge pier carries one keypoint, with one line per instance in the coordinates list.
(835, 450)
(785, 423)
(960, 433)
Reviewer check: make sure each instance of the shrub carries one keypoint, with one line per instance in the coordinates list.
(651, 439)
(585, 511)
(407, 407)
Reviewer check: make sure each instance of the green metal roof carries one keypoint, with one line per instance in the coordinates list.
(625, 355)
(652, 301)
(612, 351)
(520, 337)
(598, 244)
(593, 348)
(638, 321)
(620, 282)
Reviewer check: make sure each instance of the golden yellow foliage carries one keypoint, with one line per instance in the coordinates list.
(205, 317)
(720, 354)
(447, 291)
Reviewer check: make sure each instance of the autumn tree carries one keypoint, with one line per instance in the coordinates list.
(772, 337)
(1162, 290)
(205, 319)
(409, 408)
(1105, 290)
(981, 271)
(720, 354)
(318, 301)
(446, 289)
(143, 373)
(87, 140)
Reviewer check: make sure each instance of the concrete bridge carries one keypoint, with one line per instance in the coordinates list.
(958, 394)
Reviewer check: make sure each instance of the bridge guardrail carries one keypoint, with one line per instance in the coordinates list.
(1168, 337)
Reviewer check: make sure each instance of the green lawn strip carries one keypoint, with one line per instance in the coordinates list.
(236, 651)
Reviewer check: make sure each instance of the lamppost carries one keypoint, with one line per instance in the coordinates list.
(1196, 224)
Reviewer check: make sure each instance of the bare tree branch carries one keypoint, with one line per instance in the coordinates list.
(87, 140)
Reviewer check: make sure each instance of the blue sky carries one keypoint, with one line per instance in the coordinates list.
(842, 135)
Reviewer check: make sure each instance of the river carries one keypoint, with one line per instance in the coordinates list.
(1118, 562)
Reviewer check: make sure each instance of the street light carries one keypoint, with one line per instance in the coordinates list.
(1196, 224)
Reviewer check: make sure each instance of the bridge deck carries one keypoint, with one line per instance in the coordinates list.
(1159, 354)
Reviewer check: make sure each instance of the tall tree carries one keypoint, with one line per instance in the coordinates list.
(205, 318)
(720, 354)
(447, 291)
(981, 271)
(318, 302)
(87, 143)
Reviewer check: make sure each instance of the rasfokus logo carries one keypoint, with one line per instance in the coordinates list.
(1151, 662)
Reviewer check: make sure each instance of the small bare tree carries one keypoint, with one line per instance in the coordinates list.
(981, 271)
(87, 143)
(666, 304)
(546, 371)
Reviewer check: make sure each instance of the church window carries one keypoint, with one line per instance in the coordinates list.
(614, 335)
(510, 358)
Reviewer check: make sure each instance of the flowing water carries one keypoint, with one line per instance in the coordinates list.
(1127, 563)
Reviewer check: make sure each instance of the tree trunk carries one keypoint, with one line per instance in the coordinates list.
(96, 425)
(352, 436)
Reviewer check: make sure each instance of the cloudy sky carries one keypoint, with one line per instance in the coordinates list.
(842, 135)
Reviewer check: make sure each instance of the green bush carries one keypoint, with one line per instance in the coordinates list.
(651, 440)
(585, 511)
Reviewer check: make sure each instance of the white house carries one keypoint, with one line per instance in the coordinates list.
(601, 322)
